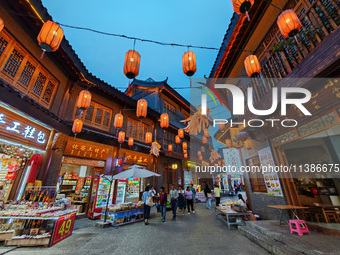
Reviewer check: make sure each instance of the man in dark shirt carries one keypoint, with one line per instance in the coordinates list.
(163, 200)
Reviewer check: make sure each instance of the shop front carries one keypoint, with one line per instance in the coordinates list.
(82, 184)
(23, 143)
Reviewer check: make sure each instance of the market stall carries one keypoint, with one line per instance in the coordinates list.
(122, 214)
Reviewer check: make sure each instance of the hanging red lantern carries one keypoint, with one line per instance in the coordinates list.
(199, 154)
(164, 120)
(185, 151)
(131, 64)
(248, 144)
(184, 145)
(185, 155)
(118, 123)
(148, 137)
(170, 147)
(177, 139)
(206, 132)
(130, 142)
(1, 24)
(121, 137)
(228, 142)
(242, 6)
(181, 133)
(204, 140)
(288, 23)
(252, 66)
(142, 108)
(84, 100)
(50, 37)
(77, 126)
(189, 63)
(200, 158)
(202, 149)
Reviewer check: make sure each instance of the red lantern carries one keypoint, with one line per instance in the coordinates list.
(180, 133)
(148, 137)
(206, 132)
(131, 64)
(189, 63)
(177, 139)
(1, 24)
(84, 100)
(242, 6)
(185, 155)
(204, 140)
(50, 36)
(288, 23)
(200, 158)
(164, 120)
(121, 137)
(169, 147)
(130, 141)
(252, 65)
(185, 151)
(77, 126)
(199, 154)
(185, 146)
(118, 123)
(142, 108)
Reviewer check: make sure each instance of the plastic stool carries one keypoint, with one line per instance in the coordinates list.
(300, 227)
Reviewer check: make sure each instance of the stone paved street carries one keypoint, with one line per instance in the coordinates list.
(199, 233)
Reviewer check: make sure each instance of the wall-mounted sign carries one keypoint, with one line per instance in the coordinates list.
(83, 162)
(84, 150)
(232, 160)
(17, 128)
(131, 158)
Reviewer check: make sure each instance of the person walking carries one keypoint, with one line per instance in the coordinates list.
(207, 193)
(146, 196)
(181, 199)
(194, 193)
(163, 197)
(217, 193)
(189, 196)
(173, 194)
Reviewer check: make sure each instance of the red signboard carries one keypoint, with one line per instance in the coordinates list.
(63, 228)
(80, 184)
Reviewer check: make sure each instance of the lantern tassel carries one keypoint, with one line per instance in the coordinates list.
(248, 16)
(297, 41)
(42, 54)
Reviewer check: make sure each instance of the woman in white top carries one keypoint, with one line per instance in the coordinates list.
(241, 201)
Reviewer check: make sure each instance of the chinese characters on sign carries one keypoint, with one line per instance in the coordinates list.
(15, 127)
(137, 159)
(86, 150)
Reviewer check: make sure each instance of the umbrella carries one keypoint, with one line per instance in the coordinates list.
(135, 171)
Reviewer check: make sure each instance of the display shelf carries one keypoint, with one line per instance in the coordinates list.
(28, 242)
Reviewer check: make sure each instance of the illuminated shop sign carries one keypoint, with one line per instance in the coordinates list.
(17, 128)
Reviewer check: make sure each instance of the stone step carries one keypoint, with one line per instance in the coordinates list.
(267, 243)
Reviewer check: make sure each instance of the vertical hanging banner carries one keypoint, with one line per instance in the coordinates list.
(271, 178)
(232, 160)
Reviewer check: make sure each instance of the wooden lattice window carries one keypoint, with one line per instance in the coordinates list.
(96, 115)
(136, 129)
(22, 71)
(256, 178)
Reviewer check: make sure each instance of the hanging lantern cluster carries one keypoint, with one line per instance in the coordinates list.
(189, 63)
(131, 64)
(2, 25)
(142, 108)
(170, 147)
(164, 120)
(118, 122)
(121, 137)
(130, 142)
(84, 100)
(77, 126)
(50, 36)
(242, 6)
(252, 65)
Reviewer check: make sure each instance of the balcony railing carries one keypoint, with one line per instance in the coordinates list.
(281, 56)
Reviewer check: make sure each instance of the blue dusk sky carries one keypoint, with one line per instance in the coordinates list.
(194, 22)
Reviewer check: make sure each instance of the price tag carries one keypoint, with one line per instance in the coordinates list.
(63, 228)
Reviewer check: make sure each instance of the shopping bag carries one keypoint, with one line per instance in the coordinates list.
(149, 202)
(209, 195)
